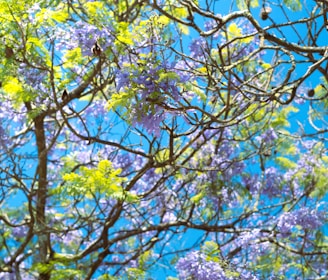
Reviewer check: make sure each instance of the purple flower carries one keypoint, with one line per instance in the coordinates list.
(169, 217)
(267, 137)
(196, 266)
(247, 237)
(32, 11)
(272, 182)
(181, 67)
(87, 34)
(211, 24)
(305, 217)
(82, 35)
(151, 122)
(4, 137)
(309, 144)
(198, 48)
(33, 77)
(19, 232)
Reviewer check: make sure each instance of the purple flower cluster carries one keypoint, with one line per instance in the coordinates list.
(150, 120)
(35, 78)
(197, 266)
(268, 137)
(19, 232)
(153, 92)
(272, 186)
(12, 120)
(4, 136)
(198, 48)
(246, 238)
(241, 47)
(305, 217)
(83, 35)
(210, 25)
(93, 33)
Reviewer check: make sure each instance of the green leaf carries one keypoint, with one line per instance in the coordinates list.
(12, 86)
(15, 89)
(136, 273)
(198, 197)
(72, 57)
(119, 100)
(277, 264)
(94, 7)
(242, 4)
(184, 29)
(144, 258)
(162, 155)
(211, 249)
(294, 5)
(281, 117)
(124, 35)
(106, 277)
(42, 267)
(163, 76)
(254, 3)
(197, 91)
(321, 187)
(102, 180)
(286, 163)
(59, 15)
(180, 12)
(291, 150)
(59, 274)
(125, 38)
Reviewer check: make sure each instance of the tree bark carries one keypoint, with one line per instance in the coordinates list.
(41, 194)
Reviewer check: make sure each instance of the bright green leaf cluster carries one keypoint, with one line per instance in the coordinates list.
(243, 4)
(100, 180)
(59, 15)
(294, 5)
(135, 273)
(280, 118)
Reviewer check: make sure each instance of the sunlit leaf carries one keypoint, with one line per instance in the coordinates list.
(294, 5)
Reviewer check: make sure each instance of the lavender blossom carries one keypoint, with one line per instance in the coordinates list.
(196, 266)
(305, 217)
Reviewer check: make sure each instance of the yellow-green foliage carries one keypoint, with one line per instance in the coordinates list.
(100, 180)
(17, 91)
(285, 162)
(94, 7)
(243, 4)
(281, 117)
(57, 15)
(235, 32)
(294, 5)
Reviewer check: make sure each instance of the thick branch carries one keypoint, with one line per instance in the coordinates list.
(41, 192)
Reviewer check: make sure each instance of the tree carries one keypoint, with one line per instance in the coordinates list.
(183, 137)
